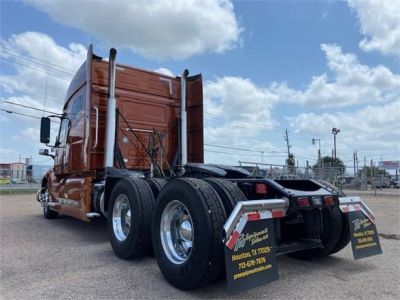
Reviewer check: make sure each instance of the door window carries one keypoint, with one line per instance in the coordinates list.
(62, 137)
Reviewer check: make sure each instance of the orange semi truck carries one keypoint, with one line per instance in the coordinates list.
(130, 149)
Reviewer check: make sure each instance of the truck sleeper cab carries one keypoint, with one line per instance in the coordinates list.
(130, 148)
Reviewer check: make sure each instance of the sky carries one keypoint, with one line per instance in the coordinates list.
(267, 66)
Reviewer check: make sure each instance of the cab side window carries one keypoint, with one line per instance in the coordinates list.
(76, 109)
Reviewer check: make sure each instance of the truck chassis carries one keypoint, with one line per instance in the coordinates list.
(185, 212)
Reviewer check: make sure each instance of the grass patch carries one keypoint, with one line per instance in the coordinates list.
(18, 191)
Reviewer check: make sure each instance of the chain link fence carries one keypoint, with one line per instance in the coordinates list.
(332, 175)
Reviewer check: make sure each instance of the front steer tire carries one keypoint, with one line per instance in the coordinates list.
(205, 261)
(48, 213)
(136, 242)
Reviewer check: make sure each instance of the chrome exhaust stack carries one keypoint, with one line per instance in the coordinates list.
(111, 112)
(184, 156)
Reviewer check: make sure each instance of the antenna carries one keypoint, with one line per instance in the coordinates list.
(45, 98)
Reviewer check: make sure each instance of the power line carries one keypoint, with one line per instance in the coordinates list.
(23, 55)
(36, 69)
(240, 154)
(30, 107)
(25, 115)
(17, 113)
(243, 123)
(242, 149)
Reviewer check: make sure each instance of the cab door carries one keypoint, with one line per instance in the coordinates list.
(75, 158)
(75, 185)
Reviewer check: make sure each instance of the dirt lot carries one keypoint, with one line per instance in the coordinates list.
(66, 258)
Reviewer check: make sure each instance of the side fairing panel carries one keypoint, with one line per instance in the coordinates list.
(148, 102)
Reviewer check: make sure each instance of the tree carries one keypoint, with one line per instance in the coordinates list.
(329, 162)
(290, 162)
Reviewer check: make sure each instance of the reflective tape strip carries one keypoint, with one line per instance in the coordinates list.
(350, 207)
(253, 216)
(238, 230)
(241, 224)
(278, 213)
(266, 215)
(259, 216)
(344, 208)
(232, 240)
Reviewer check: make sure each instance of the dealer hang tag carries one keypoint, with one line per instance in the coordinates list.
(250, 256)
(364, 236)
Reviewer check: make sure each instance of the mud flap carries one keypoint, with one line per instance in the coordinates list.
(250, 248)
(363, 233)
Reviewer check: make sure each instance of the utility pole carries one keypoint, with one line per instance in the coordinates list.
(319, 151)
(287, 142)
(356, 163)
(335, 131)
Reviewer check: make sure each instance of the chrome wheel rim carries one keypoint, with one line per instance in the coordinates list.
(44, 199)
(176, 231)
(121, 217)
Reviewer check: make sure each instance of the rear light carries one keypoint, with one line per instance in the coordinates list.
(303, 202)
(329, 200)
(261, 188)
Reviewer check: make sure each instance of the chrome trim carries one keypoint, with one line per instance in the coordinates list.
(249, 206)
(184, 118)
(64, 201)
(140, 130)
(111, 112)
(97, 126)
(92, 214)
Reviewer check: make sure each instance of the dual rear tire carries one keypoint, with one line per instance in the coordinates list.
(183, 226)
(129, 218)
(335, 235)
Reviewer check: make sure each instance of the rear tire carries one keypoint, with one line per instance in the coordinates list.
(332, 225)
(229, 193)
(188, 247)
(129, 218)
(156, 185)
(345, 236)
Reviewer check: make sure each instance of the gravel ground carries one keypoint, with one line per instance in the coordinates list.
(66, 258)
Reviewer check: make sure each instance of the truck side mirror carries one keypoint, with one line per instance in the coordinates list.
(45, 130)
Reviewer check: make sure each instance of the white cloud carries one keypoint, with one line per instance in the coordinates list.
(368, 128)
(239, 113)
(164, 71)
(380, 23)
(240, 100)
(351, 83)
(38, 59)
(156, 28)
